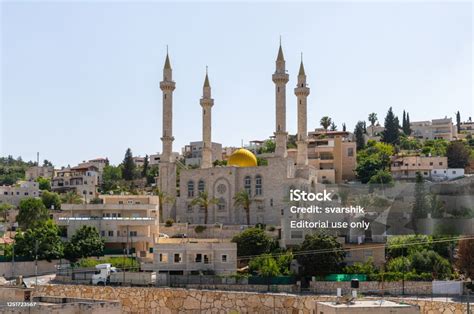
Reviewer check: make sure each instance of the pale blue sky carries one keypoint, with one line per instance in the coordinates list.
(81, 80)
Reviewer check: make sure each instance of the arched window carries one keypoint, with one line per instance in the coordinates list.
(190, 189)
(247, 185)
(221, 204)
(201, 186)
(258, 185)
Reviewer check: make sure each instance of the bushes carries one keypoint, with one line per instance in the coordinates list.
(169, 222)
(199, 229)
(126, 263)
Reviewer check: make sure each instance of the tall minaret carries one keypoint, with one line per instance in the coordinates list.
(206, 103)
(280, 78)
(167, 166)
(302, 92)
(167, 86)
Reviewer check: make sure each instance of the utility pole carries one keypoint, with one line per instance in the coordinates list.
(36, 264)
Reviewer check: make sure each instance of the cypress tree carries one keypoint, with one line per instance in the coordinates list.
(145, 167)
(128, 166)
(404, 122)
(458, 121)
(391, 134)
(344, 127)
(408, 132)
(359, 135)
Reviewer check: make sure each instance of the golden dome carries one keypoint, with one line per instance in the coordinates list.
(242, 158)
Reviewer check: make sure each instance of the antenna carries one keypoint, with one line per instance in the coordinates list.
(166, 49)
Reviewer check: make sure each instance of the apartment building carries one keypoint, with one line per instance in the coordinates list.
(139, 161)
(434, 129)
(332, 153)
(81, 179)
(13, 194)
(125, 221)
(406, 167)
(99, 163)
(192, 153)
(194, 256)
(35, 172)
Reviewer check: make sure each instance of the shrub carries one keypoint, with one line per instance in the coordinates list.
(169, 222)
(199, 229)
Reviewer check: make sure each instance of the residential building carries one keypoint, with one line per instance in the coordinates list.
(139, 161)
(467, 127)
(35, 172)
(99, 163)
(333, 154)
(434, 129)
(406, 167)
(13, 194)
(192, 153)
(194, 256)
(125, 221)
(83, 180)
(361, 252)
(446, 174)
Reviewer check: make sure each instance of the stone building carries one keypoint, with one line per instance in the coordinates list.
(267, 185)
(13, 194)
(435, 129)
(406, 167)
(35, 172)
(83, 180)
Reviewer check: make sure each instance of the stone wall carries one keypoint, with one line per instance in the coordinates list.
(167, 300)
(368, 287)
(26, 269)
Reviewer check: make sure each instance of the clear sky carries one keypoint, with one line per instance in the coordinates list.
(80, 80)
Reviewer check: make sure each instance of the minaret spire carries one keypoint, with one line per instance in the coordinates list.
(206, 103)
(280, 78)
(302, 92)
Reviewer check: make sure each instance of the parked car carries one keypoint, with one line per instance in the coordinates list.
(180, 235)
(163, 235)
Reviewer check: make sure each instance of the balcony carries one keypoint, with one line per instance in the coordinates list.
(117, 207)
(125, 221)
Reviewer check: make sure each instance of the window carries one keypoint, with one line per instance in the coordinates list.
(221, 204)
(163, 258)
(258, 185)
(206, 259)
(26, 193)
(133, 233)
(102, 233)
(296, 234)
(454, 171)
(271, 202)
(120, 202)
(111, 233)
(431, 163)
(224, 258)
(198, 258)
(201, 186)
(190, 189)
(190, 208)
(350, 152)
(177, 258)
(440, 163)
(247, 185)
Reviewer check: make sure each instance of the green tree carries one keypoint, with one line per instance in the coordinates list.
(408, 126)
(359, 135)
(382, 177)
(128, 166)
(32, 212)
(243, 199)
(458, 155)
(264, 265)
(325, 122)
(391, 134)
(4, 208)
(333, 126)
(47, 163)
(252, 242)
(431, 262)
(268, 147)
(145, 169)
(44, 184)
(320, 264)
(465, 257)
(71, 197)
(343, 127)
(458, 121)
(111, 176)
(204, 202)
(375, 157)
(84, 243)
(152, 174)
(405, 245)
(44, 236)
(420, 204)
(51, 200)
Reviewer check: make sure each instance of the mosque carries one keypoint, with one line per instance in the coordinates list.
(268, 186)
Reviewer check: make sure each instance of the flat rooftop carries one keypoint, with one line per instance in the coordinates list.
(367, 304)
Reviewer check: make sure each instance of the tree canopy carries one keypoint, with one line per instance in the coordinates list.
(45, 237)
(84, 243)
(32, 212)
(252, 241)
(391, 134)
(320, 263)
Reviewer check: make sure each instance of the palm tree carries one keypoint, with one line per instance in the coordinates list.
(372, 119)
(71, 198)
(204, 202)
(242, 199)
(325, 122)
(163, 198)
